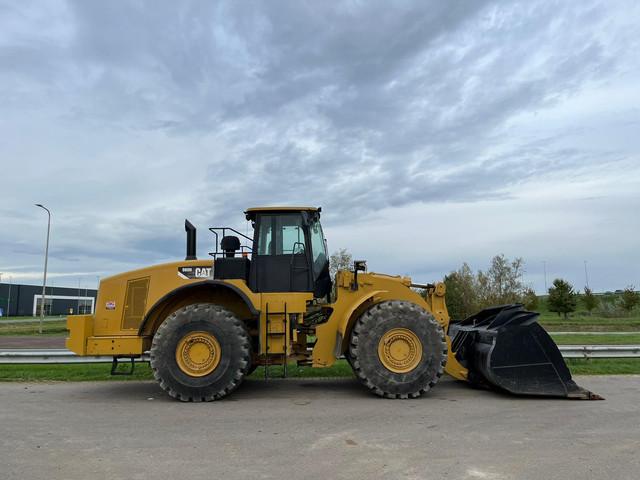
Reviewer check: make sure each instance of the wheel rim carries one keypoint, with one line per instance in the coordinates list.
(198, 354)
(400, 350)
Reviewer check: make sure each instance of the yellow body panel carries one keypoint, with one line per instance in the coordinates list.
(333, 336)
(274, 333)
(80, 328)
(115, 345)
(163, 279)
(111, 308)
(126, 300)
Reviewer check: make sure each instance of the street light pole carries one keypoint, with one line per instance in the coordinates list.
(544, 266)
(94, 301)
(46, 259)
(586, 275)
(9, 298)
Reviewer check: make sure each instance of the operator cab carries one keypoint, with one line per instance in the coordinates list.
(288, 252)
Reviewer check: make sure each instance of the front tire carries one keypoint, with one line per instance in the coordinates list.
(397, 350)
(200, 353)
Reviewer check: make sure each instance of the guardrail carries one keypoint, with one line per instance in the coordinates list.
(44, 356)
(52, 355)
(600, 351)
(36, 320)
(594, 333)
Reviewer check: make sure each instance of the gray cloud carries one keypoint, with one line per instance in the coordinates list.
(127, 117)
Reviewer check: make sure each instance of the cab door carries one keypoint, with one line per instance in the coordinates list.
(281, 260)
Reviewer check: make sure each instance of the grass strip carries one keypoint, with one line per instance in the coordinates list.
(604, 366)
(69, 372)
(29, 329)
(589, 323)
(581, 327)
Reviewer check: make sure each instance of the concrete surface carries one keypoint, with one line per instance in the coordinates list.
(32, 341)
(316, 429)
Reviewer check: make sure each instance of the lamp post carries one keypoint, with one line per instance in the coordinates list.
(586, 275)
(9, 298)
(46, 259)
(94, 301)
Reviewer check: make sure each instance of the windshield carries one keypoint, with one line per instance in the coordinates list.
(318, 248)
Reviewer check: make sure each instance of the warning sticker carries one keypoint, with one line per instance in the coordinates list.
(189, 273)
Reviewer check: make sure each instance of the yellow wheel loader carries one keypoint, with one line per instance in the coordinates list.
(269, 300)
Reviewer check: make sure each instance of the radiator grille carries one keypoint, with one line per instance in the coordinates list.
(135, 302)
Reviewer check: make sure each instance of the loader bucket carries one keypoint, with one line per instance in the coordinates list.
(505, 348)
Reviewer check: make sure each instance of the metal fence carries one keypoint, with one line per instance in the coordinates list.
(51, 355)
(44, 356)
(600, 351)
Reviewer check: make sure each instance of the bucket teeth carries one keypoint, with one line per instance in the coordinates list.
(505, 348)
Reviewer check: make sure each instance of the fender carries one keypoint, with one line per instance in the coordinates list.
(344, 328)
(211, 284)
(333, 335)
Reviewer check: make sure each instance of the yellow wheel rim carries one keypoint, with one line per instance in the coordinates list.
(400, 350)
(198, 354)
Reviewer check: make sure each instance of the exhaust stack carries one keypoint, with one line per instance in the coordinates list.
(191, 240)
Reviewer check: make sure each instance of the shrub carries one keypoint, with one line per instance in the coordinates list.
(562, 298)
(462, 298)
(630, 298)
(589, 300)
(501, 284)
(530, 299)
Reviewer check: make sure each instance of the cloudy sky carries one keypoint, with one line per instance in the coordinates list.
(431, 133)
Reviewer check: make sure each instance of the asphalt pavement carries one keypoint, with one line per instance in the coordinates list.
(32, 341)
(316, 429)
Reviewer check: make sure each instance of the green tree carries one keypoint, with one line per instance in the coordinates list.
(339, 260)
(589, 300)
(462, 298)
(501, 283)
(630, 298)
(562, 298)
(530, 299)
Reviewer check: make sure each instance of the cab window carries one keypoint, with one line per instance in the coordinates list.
(280, 235)
(289, 235)
(264, 240)
(318, 248)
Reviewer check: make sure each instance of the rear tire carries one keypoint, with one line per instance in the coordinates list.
(408, 340)
(200, 353)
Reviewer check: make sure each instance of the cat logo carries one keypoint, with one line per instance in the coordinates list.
(189, 273)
